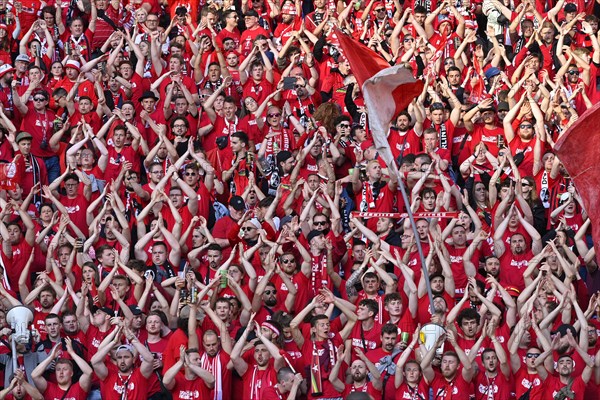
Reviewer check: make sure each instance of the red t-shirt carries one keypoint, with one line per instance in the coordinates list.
(114, 384)
(185, 389)
(456, 389)
(552, 385)
(54, 392)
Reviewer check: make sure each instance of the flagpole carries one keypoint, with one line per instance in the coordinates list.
(413, 225)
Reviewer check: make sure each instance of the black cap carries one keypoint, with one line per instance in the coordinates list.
(251, 13)
(503, 106)
(135, 310)
(106, 310)
(237, 203)
(313, 234)
(148, 94)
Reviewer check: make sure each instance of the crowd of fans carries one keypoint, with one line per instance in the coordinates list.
(180, 183)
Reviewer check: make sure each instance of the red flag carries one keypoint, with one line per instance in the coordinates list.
(364, 62)
(386, 90)
(579, 151)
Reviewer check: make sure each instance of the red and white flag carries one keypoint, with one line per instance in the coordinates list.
(386, 90)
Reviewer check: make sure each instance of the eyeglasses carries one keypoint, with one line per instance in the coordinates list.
(525, 126)
(287, 261)
(533, 355)
(274, 115)
(344, 126)
(247, 228)
(573, 72)
(270, 292)
(39, 99)
(319, 223)
(190, 174)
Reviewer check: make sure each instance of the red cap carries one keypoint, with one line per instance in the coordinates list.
(366, 144)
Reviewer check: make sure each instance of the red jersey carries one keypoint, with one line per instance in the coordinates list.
(493, 388)
(456, 389)
(406, 392)
(54, 392)
(186, 389)
(116, 386)
(552, 386)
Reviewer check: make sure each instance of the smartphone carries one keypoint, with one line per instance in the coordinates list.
(289, 83)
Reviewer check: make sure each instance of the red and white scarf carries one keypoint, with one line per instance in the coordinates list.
(213, 365)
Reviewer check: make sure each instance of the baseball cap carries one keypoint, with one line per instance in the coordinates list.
(503, 106)
(491, 72)
(366, 144)
(313, 234)
(23, 136)
(135, 309)
(73, 64)
(237, 203)
(108, 311)
(5, 68)
(22, 57)
(126, 347)
(251, 13)
(289, 9)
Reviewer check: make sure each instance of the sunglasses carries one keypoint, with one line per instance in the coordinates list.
(287, 261)
(270, 292)
(525, 126)
(409, 40)
(533, 355)
(190, 174)
(525, 184)
(247, 228)
(319, 223)
(39, 99)
(344, 126)
(274, 115)
(380, 10)
(573, 72)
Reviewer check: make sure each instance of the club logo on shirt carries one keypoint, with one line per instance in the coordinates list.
(189, 394)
